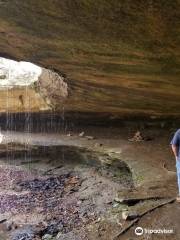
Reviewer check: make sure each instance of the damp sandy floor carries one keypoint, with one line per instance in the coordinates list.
(91, 171)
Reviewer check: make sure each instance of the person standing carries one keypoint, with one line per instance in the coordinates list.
(175, 145)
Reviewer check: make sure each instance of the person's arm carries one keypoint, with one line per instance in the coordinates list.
(175, 150)
(175, 142)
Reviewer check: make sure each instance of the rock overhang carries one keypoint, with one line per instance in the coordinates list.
(122, 59)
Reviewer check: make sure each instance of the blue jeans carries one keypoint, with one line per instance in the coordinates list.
(178, 173)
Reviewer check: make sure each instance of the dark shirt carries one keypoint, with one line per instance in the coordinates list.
(176, 141)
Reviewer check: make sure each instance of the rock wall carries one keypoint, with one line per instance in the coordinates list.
(52, 87)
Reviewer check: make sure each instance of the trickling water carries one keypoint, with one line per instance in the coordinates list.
(17, 75)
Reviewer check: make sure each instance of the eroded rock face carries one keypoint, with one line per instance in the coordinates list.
(120, 57)
(52, 87)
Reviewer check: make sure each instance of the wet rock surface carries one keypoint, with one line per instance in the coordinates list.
(49, 184)
(23, 234)
(48, 197)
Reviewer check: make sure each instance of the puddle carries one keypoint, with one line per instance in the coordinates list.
(59, 156)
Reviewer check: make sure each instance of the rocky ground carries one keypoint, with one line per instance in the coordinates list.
(90, 183)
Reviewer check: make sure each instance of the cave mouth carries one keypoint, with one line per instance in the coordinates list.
(13, 73)
(28, 88)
